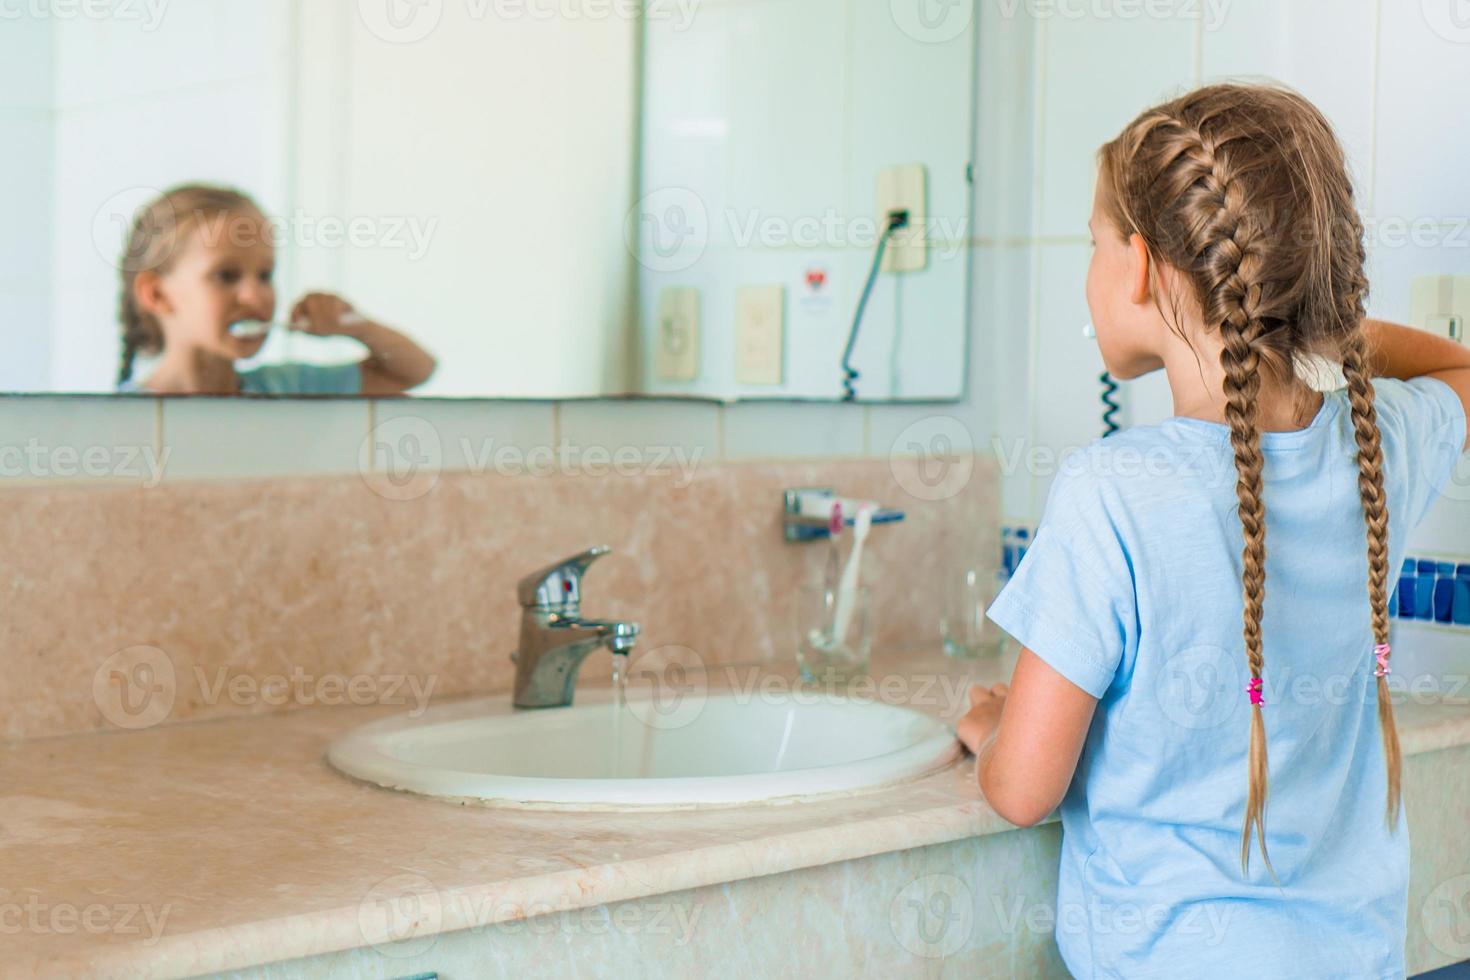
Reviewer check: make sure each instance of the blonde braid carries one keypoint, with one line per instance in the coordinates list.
(1226, 254)
(1375, 514)
(1223, 244)
(1242, 384)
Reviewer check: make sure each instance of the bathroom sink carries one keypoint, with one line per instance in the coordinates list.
(723, 750)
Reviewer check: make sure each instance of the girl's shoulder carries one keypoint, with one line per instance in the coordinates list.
(1425, 408)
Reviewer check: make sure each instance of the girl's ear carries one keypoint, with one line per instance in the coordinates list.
(149, 294)
(1138, 269)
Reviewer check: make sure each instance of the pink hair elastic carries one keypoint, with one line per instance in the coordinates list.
(1254, 690)
(1381, 651)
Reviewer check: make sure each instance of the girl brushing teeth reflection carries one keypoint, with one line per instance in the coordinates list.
(198, 289)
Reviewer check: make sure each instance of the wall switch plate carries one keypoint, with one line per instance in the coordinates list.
(1441, 305)
(677, 356)
(760, 335)
(905, 188)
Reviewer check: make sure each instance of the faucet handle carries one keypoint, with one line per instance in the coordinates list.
(559, 585)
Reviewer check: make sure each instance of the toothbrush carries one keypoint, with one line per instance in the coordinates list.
(835, 524)
(253, 329)
(847, 590)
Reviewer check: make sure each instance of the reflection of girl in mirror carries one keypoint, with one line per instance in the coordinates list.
(199, 260)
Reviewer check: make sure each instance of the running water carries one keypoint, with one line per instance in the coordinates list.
(619, 683)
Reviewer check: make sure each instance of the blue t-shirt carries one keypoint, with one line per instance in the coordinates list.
(1131, 590)
(288, 379)
(303, 379)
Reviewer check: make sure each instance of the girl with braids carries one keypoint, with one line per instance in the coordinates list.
(200, 259)
(1203, 684)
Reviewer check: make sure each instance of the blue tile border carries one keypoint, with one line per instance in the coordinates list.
(1433, 590)
(1014, 540)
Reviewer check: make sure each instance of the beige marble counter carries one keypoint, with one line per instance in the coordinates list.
(220, 845)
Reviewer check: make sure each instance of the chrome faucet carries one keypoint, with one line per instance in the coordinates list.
(555, 639)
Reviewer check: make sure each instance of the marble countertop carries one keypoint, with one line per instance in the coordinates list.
(211, 846)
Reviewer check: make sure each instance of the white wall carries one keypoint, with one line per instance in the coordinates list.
(25, 190)
(509, 143)
(778, 115)
(1392, 86)
(139, 106)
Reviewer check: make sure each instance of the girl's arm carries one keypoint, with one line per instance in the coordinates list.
(1405, 353)
(1027, 739)
(394, 363)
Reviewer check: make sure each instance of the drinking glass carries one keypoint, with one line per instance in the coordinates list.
(822, 655)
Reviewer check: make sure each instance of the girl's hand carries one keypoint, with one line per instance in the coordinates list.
(321, 315)
(983, 718)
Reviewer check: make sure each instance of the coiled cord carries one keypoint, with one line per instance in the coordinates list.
(1111, 406)
(850, 374)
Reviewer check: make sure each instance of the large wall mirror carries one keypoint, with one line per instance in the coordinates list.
(487, 198)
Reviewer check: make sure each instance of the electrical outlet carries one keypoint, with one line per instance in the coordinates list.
(905, 188)
(760, 335)
(678, 334)
(1441, 304)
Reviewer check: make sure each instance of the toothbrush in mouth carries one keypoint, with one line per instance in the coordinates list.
(256, 329)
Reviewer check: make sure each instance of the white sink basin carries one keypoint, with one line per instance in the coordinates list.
(725, 750)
